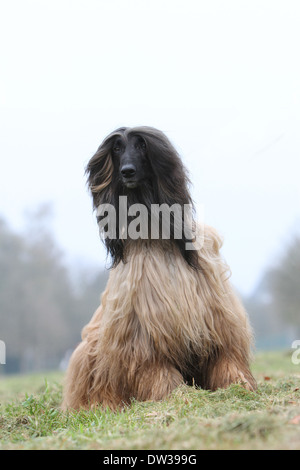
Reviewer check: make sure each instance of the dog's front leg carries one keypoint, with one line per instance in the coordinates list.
(221, 372)
(155, 381)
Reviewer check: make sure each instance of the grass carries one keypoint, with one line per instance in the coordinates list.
(189, 419)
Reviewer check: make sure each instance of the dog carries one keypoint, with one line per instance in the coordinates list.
(169, 314)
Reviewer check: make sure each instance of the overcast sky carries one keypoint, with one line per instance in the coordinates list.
(220, 78)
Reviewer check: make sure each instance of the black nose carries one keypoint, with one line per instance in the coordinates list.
(128, 171)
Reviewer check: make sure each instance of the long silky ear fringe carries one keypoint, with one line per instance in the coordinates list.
(106, 175)
(100, 174)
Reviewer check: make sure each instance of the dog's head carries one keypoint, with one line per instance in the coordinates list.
(130, 159)
(142, 164)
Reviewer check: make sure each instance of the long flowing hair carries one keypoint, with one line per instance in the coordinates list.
(167, 184)
(168, 315)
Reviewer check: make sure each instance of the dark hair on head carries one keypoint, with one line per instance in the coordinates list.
(167, 183)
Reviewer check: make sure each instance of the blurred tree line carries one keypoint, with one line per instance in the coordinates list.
(42, 308)
(274, 307)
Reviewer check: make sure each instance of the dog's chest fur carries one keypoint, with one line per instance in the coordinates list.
(156, 298)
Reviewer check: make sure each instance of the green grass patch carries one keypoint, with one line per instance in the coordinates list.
(30, 417)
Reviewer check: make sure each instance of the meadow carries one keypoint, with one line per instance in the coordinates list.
(189, 419)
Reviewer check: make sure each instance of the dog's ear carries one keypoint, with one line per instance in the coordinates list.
(170, 174)
(99, 173)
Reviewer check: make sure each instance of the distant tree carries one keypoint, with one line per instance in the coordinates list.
(42, 311)
(284, 285)
(12, 254)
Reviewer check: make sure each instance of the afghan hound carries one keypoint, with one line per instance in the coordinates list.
(169, 314)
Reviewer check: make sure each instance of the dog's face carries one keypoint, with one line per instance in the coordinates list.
(131, 161)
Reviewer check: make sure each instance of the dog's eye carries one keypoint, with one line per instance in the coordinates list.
(141, 145)
(117, 146)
